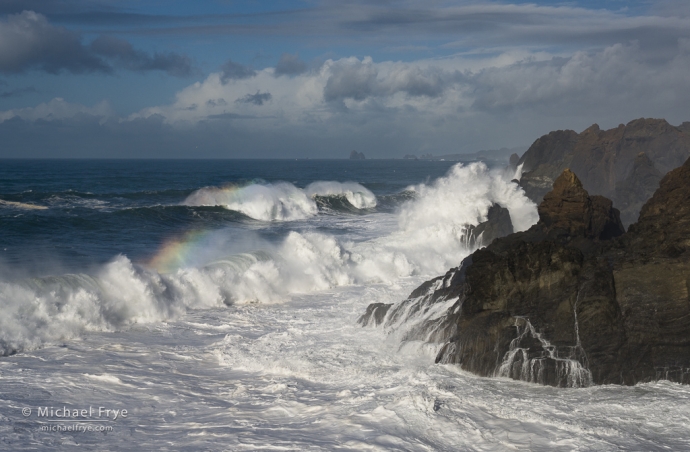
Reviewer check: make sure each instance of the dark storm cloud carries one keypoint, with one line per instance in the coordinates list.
(235, 71)
(123, 54)
(290, 65)
(28, 41)
(257, 99)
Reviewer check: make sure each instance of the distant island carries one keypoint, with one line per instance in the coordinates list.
(500, 155)
(354, 155)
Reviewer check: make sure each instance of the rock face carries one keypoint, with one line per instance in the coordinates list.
(498, 224)
(608, 162)
(354, 155)
(574, 300)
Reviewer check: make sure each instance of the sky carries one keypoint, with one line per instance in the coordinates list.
(320, 78)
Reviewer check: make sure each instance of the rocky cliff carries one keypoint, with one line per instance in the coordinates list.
(624, 164)
(573, 301)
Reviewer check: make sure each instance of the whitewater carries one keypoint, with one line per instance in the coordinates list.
(237, 329)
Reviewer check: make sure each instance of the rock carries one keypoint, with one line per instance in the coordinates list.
(498, 224)
(637, 188)
(607, 161)
(513, 160)
(354, 155)
(568, 209)
(374, 314)
(574, 300)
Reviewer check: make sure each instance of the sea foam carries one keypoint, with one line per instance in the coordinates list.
(280, 201)
(429, 238)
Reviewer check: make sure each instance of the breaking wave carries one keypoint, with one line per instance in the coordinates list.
(430, 237)
(281, 201)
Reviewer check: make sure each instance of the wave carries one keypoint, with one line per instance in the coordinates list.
(283, 201)
(188, 273)
(356, 195)
(21, 205)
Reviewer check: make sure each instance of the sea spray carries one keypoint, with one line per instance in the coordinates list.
(280, 201)
(430, 238)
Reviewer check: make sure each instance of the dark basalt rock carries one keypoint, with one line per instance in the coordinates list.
(498, 224)
(573, 301)
(608, 162)
(374, 314)
(354, 155)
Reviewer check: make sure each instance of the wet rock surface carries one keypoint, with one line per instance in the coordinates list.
(572, 301)
(498, 224)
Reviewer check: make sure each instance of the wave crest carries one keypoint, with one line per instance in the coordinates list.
(266, 202)
(281, 201)
(356, 194)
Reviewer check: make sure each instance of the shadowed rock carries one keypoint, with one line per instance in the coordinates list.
(498, 224)
(573, 301)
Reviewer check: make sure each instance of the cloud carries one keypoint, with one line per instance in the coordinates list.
(290, 65)
(542, 84)
(126, 56)
(351, 78)
(354, 79)
(58, 109)
(449, 105)
(256, 99)
(619, 77)
(419, 23)
(235, 71)
(28, 41)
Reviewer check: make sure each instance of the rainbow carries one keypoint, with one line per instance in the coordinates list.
(177, 252)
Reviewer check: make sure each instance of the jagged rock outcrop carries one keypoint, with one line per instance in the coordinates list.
(498, 224)
(608, 161)
(569, 210)
(572, 301)
(354, 155)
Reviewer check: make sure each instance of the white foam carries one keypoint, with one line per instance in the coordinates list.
(266, 202)
(429, 239)
(280, 201)
(21, 205)
(357, 195)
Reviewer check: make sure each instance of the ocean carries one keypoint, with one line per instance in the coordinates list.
(213, 305)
